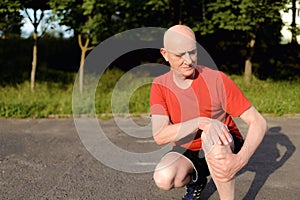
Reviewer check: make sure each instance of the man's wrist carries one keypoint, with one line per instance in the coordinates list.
(243, 156)
(204, 123)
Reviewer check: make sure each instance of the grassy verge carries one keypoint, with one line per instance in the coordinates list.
(272, 97)
(48, 99)
(55, 99)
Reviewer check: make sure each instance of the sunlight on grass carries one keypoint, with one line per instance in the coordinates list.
(48, 99)
(272, 97)
(55, 99)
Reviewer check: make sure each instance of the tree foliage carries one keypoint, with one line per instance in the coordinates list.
(246, 16)
(92, 19)
(241, 15)
(251, 21)
(10, 19)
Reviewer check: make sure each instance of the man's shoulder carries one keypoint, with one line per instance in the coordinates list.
(206, 69)
(210, 73)
(162, 78)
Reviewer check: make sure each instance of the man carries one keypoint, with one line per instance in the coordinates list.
(192, 107)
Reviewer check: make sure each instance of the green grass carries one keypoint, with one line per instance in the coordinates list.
(48, 99)
(55, 99)
(272, 97)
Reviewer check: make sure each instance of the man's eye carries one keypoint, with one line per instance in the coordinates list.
(192, 52)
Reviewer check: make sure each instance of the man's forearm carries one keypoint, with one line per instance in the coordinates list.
(175, 132)
(164, 133)
(254, 137)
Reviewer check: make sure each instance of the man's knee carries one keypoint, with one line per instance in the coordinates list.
(220, 149)
(163, 180)
(211, 144)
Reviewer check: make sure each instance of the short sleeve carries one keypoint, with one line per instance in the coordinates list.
(234, 101)
(158, 104)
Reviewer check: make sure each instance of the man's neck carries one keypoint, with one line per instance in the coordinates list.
(182, 81)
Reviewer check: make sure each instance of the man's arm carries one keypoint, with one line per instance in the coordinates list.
(227, 165)
(257, 127)
(164, 132)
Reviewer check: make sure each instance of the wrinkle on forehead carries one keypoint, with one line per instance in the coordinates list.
(179, 39)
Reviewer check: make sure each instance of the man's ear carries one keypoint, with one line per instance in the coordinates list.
(164, 54)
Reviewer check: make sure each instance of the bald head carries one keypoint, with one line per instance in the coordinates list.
(179, 39)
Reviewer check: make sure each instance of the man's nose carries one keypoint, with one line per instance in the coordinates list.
(187, 58)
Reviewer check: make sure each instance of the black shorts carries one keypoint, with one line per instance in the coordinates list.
(197, 158)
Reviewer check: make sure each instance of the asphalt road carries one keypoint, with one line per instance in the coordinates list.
(46, 159)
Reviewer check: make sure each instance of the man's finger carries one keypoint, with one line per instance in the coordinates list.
(223, 137)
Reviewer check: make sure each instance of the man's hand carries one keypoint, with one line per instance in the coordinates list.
(216, 131)
(223, 164)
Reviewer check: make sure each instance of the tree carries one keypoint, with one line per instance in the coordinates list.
(91, 21)
(246, 16)
(164, 13)
(12, 7)
(95, 20)
(39, 9)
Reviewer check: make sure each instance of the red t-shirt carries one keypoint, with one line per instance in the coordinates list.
(212, 94)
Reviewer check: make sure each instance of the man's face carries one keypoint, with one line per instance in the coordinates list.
(181, 52)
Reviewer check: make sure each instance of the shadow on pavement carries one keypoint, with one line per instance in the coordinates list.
(274, 151)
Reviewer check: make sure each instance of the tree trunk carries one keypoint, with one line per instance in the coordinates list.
(81, 70)
(248, 63)
(34, 62)
(294, 25)
(248, 71)
(84, 48)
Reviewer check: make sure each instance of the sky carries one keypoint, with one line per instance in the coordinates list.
(27, 28)
(287, 20)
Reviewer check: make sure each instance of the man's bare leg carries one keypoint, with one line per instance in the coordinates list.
(173, 171)
(212, 148)
(225, 189)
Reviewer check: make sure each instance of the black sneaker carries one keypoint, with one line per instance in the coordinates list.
(193, 191)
